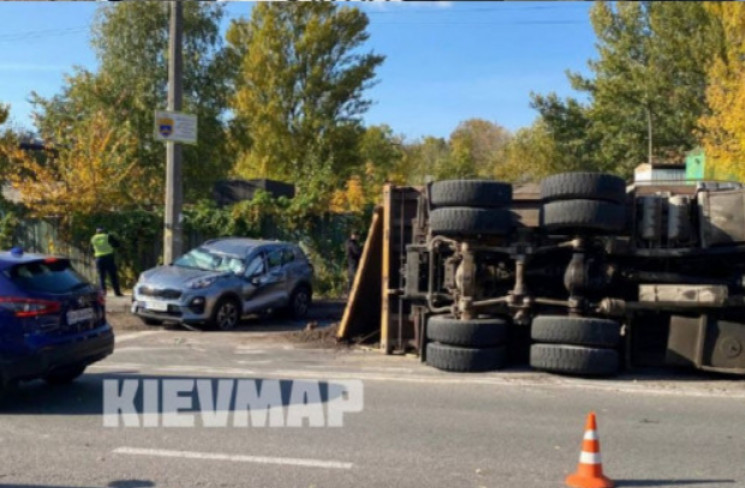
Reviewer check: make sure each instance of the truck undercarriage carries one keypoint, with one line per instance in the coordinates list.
(586, 277)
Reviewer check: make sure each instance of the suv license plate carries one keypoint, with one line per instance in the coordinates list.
(156, 306)
(82, 315)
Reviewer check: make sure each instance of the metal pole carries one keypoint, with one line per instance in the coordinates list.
(649, 135)
(172, 236)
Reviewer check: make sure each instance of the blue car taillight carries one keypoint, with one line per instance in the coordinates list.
(29, 307)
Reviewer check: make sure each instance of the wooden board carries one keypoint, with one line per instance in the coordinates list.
(362, 314)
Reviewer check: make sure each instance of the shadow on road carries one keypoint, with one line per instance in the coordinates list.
(652, 483)
(322, 313)
(113, 484)
(86, 395)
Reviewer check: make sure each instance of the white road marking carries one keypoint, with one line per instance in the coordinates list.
(126, 368)
(147, 348)
(525, 380)
(209, 456)
(258, 361)
(134, 335)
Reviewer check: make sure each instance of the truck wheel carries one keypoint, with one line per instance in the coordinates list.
(583, 216)
(470, 193)
(574, 360)
(464, 359)
(580, 331)
(581, 185)
(465, 221)
(446, 329)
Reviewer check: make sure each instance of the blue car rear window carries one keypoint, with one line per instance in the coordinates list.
(50, 276)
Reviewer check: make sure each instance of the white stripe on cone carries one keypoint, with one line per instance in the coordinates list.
(590, 458)
(591, 435)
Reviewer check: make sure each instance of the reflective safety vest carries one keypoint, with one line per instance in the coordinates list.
(101, 245)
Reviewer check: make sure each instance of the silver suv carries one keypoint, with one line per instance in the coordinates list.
(222, 280)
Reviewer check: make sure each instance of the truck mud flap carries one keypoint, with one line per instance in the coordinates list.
(706, 343)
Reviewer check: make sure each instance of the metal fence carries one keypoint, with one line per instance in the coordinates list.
(323, 240)
(42, 236)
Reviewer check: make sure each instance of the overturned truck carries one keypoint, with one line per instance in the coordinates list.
(582, 276)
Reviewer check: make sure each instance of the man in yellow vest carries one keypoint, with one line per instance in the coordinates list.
(103, 249)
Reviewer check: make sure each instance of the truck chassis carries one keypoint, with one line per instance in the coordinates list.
(586, 278)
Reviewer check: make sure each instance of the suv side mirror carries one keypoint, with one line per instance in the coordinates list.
(255, 279)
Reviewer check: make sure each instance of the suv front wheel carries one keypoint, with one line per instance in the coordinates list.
(226, 315)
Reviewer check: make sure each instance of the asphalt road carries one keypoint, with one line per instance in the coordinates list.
(419, 427)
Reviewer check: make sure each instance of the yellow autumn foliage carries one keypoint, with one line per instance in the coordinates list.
(723, 130)
(89, 170)
(350, 199)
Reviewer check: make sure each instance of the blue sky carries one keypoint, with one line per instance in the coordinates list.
(446, 61)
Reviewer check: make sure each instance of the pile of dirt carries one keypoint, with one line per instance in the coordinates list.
(315, 336)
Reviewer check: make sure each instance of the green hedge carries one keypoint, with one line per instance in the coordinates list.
(321, 235)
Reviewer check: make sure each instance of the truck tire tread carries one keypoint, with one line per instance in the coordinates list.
(470, 193)
(579, 331)
(465, 359)
(447, 329)
(574, 360)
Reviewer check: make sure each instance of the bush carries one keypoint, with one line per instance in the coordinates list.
(321, 235)
(140, 233)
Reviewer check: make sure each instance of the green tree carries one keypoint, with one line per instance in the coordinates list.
(650, 75)
(569, 125)
(131, 43)
(6, 137)
(426, 159)
(302, 74)
(381, 153)
(476, 146)
(532, 154)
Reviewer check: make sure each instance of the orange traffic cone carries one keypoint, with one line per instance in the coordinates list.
(590, 469)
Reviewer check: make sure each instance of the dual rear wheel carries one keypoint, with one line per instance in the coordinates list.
(582, 346)
(583, 203)
(466, 345)
(470, 208)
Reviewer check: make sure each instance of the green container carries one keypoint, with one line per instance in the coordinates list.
(696, 165)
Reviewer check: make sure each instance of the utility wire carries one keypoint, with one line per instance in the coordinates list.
(450, 11)
(41, 34)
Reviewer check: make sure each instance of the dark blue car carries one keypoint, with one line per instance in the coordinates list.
(52, 320)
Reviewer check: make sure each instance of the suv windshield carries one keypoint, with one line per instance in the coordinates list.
(48, 276)
(207, 260)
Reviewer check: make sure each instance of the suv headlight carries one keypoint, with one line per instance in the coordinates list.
(200, 283)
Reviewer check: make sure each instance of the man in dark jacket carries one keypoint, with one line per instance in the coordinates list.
(103, 249)
(354, 251)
